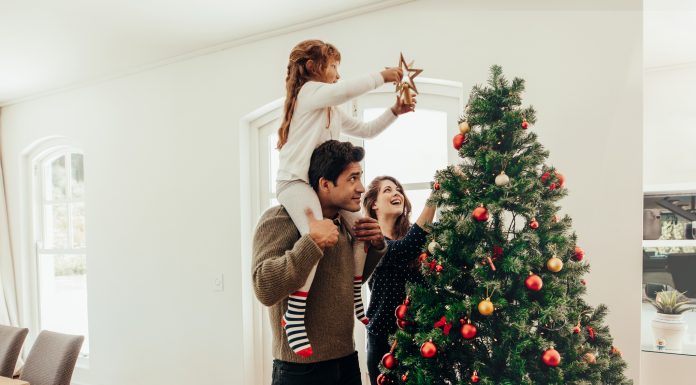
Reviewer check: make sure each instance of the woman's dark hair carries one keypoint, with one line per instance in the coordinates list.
(330, 159)
(370, 197)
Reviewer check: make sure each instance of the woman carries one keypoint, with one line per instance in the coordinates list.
(385, 201)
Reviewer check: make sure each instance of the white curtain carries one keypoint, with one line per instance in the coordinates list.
(9, 312)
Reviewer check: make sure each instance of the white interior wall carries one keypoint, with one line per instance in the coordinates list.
(162, 167)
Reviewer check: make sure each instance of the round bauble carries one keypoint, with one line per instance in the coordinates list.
(502, 179)
(458, 141)
(401, 311)
(486, 307)
(389, 361)
(534, 282)
(433, 246)
(464, 127)
(480, 214)
(468, 331)
(551, 357)
(428, 350)
(554, 264)
(579, 253)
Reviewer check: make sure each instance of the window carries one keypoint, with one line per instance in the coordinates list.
(61, 247)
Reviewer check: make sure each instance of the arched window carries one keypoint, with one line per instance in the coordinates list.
(58, 212)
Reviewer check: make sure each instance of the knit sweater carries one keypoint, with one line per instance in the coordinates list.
(282, 260)
(308, 127)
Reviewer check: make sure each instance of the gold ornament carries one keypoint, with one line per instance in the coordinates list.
(486, 307)
(590, 358)
(554, 264)
(464, 127)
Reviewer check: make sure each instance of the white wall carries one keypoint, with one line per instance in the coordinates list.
(162, 162)
(670, 118)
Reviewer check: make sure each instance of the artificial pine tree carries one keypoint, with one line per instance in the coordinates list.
(503, 301)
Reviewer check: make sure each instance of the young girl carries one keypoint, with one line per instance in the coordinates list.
(311, 118)
(386, 201)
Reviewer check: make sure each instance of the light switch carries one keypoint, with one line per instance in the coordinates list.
(219, 282)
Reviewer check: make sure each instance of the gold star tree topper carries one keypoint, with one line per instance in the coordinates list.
(404, 87)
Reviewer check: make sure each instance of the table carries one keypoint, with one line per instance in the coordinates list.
(9, 381)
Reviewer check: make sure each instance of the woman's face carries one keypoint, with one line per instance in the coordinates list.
(390, 200)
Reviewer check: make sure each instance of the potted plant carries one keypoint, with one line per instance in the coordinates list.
(669, 325)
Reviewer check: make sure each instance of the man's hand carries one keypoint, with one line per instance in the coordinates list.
(323, 232)
(367, 229)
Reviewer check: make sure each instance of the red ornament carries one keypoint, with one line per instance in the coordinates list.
(545, 176)
(525, 125)
(552, 186)
(436, 185)
(401, 311)
(402, 324)
(469, 331)
(533, 224)
(480, 214)
(579, 253)
(583, 281)
(474, 377)
(590, 331)
(576, 329)
(561, 179)
(551, 357)
(439, 268)
(497, 251)
(423, 257)
(389, 361)
(458, 141)
(533, 282)
(404, 378)
(383, 379)
(428, 350)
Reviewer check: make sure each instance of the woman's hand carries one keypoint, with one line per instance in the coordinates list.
(392, 74)
(400, 107)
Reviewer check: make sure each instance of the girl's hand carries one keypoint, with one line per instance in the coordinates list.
(392, 74)
(400, 108)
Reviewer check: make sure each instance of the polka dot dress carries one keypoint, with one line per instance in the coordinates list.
(388, 282)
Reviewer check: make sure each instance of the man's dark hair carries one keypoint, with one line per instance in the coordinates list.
(330, 159)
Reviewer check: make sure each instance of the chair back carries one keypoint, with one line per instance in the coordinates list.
(52, 359)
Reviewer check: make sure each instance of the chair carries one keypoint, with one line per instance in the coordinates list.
(11, 341)
(52, 359)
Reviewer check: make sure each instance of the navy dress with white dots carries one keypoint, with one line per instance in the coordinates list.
(388, 290)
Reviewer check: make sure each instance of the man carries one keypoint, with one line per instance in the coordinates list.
(283, 259)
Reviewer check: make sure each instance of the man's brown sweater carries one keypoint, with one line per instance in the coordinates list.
(282, 261)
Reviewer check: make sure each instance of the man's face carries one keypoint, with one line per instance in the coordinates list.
(346, 193)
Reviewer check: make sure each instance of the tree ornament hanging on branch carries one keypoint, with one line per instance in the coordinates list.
(525, 124)
(428, 349)
(554, 264)
(533, 282)
(458, 141)
(480, 214)
(579, 253)
(464, 127)
(533, 224)
(474, 377)
(486, 307)
(442, 323)
(388, 360)
(468, 329)
(502, 179)
(433, 246)
(383, 379)
(551, 357)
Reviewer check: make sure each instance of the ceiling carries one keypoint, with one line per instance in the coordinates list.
(48, 45)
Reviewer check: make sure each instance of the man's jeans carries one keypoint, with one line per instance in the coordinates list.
(339, 371)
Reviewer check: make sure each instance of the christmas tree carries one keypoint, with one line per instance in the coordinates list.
(503, 301)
